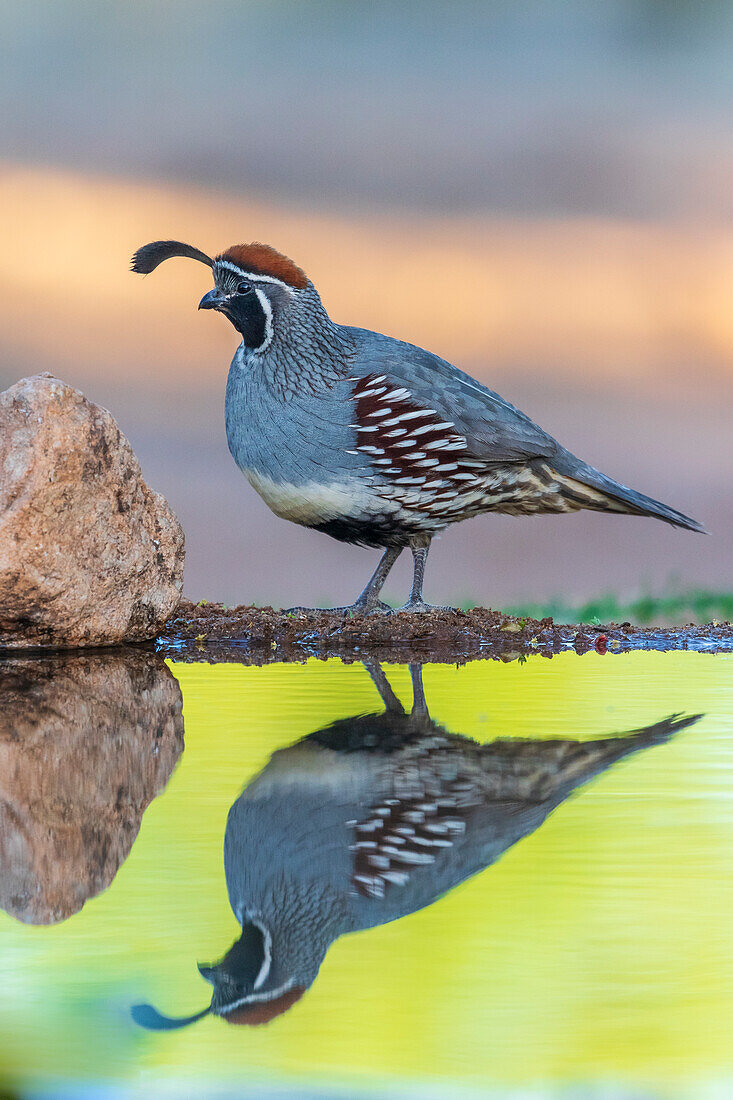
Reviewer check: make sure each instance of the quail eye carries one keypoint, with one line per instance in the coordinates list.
(243, 288)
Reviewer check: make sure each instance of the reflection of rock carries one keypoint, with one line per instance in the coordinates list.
(88, 553)
(86, 742)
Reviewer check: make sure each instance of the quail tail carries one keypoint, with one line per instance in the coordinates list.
(593, 490)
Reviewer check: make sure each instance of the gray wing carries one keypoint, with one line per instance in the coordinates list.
(456, 807)
(496, 433)
(494, 429)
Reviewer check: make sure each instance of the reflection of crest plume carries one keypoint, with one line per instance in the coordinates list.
(369, 820)
(86, 742)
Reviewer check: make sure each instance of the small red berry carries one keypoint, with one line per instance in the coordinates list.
(601, 643)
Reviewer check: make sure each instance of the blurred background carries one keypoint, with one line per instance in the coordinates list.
(540, 193)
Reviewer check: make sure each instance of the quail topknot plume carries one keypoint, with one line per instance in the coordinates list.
(369, 820)
(372, 440)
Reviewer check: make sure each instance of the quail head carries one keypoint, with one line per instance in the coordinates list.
(367, 821)
(371, 440)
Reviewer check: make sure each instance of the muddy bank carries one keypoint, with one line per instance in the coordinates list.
(256, 635)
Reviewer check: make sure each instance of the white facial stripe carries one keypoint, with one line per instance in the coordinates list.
(267, 961)
(258, 998)
(251, 274)
(267, 308)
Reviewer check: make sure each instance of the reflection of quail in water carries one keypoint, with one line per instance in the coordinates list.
(369, 820)
(372, 440)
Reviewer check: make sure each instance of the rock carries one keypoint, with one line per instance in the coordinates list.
(86, 742)
(89, 555)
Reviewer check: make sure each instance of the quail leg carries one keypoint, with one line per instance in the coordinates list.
(392, 705)
(416, 602)
(419, 706)
(367, 602)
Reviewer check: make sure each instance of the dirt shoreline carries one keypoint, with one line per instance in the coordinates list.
(259, 635)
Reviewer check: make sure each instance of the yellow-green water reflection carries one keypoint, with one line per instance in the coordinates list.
(598, 949)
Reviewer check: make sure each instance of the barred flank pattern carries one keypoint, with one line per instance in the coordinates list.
(399, 837)
(421, 456)
(425, 466)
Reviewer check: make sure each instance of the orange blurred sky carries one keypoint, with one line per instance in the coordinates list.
(558, 295)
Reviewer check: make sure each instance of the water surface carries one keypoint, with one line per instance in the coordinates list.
(592, 954)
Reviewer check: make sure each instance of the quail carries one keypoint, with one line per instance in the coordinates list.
(371, 440)
(369, 820)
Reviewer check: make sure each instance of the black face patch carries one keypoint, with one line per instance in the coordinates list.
(246, 312)
(236, 974)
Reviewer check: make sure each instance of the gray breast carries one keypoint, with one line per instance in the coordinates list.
(295, 448)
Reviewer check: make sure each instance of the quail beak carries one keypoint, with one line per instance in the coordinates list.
(213, 299)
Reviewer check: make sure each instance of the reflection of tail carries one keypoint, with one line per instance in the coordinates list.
(601, 754)
(662, 731)
(541, 770)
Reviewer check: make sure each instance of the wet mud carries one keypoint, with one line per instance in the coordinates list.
(257, 635)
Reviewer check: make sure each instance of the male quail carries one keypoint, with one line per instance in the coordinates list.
(372, 440)
(367, 821)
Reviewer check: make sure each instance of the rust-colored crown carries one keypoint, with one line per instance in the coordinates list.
(261, 259)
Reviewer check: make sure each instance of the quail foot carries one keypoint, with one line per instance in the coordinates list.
(371, 440)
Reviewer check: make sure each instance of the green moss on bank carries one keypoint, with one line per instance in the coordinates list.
(695, 606)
